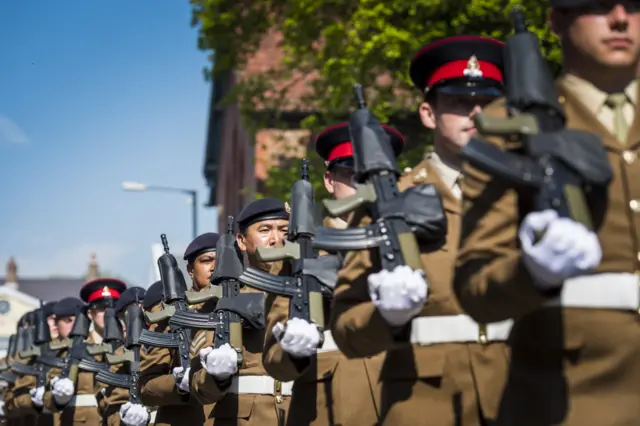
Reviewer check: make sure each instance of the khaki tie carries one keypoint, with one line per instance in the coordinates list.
(617, 101)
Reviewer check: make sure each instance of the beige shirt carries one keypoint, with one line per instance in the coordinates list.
(594, 99)
(449, 175)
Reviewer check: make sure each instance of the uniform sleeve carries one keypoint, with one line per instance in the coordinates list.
(157, 385)
(276, 361)
(491, 282)
(356, 324)
(204, 387)
(20, 404)
(49, 402)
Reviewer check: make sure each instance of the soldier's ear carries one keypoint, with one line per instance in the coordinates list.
(427, 115)
(328, 181)
(240, 239)
(190, 270)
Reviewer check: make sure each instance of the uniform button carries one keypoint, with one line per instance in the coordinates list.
(635, 206)
(629, 157)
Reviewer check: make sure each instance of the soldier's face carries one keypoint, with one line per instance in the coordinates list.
(339, 182)
(64, 326)
(606, 32)
(268, 233)
(53, 328)
(451, 118)
(96, 314)
(201, 269)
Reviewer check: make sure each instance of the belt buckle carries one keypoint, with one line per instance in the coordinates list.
(277, 384)
(482, 334)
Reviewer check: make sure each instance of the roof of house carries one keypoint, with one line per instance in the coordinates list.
(49, 289)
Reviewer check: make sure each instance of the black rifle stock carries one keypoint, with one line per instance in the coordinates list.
(131, 355)
(558, 163)
(42, 337)
(27, 333)
(376, 172)
(174, 288)
(112, 335)
(227, 317)
(304, 290)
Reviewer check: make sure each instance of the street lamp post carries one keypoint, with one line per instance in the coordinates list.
(193, 195)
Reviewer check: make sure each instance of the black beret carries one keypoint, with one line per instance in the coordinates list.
(67, 307)
(48, 308)
(461, 65)
(102, 289)
(129, 297)
(201, 244)
(153, 296)
(262, 209)
(333, 144)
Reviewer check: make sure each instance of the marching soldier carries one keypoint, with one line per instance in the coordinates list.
(575, 345)
(77, 401)
(440, 367)
(114, 401)
(247, 395)
(152, 299)
(329, 389)
(159, 367)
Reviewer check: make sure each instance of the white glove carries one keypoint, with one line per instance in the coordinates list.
(566, 250)
(134, 414)
(221, 362)
(183, 384)
(37, 395)
(398, 295)
(63, 390)
(299, 338)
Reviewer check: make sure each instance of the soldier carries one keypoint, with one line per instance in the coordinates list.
(98, 294)
(453, 369)
(114, 401)
(152, 298)
(159, 367)
(575, 346)
(247, 395)
(330, 389)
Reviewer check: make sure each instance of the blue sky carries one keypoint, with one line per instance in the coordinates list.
(93, 93)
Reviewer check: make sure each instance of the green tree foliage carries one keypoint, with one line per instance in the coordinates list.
(341, 42)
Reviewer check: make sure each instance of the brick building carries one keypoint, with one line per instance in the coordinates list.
(237, 160)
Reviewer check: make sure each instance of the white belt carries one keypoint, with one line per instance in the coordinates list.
(152, 416)
(262, 385)
(329, 344)
(456, 329)
(604, 291)
(83, 401)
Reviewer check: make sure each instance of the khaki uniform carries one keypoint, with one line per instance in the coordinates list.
(451, 380)
(19, 406)
(85, 413)
(329, 389)
(158, 387)
(570, 366)
(111, 398)
(240, 404)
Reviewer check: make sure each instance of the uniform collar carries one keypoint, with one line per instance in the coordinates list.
(447, 173)
(592, 97)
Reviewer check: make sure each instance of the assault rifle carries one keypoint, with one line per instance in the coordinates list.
(77, 358)
(135, 324)
(40, 348)
(6, 374)
(232, 307)
(558, 163)
(26, 336)
(396, 216)
(174, 287)
(112, 338)
(312, 277)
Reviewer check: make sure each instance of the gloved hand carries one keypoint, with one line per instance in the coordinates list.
(62, 390)
(398, 295)
(566, 250)
(134, 414)
(37, 395)
(298, 338)
(182, 384)
(221, 363)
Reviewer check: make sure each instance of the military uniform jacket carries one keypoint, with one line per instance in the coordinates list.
(111, 398)
(19, 405)
(570, 366)
(236, 407)
(85, 385)
(453, 382)
(329, 388)
(158, 387)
